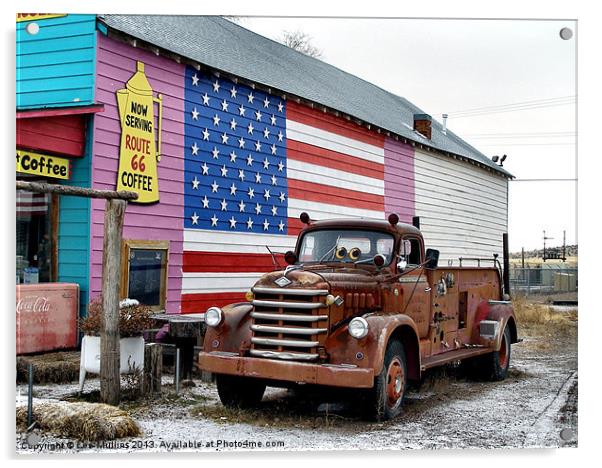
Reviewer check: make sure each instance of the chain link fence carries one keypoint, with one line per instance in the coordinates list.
(544, 279)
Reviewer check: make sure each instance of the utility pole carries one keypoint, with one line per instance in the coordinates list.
(564, 246)
(544, 245)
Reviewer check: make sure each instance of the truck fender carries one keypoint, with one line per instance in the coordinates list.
(234, 333)
(501, 312)
(400, 327)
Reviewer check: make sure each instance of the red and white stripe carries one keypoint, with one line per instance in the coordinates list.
(335, 168)
(31, 204)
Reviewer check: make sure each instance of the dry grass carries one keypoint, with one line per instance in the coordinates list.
(82, 421)
(541, 321)
(50, 367)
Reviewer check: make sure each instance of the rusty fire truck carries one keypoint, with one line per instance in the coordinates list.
(360, 305)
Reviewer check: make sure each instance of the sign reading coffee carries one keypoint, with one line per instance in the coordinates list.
(42, 165)
(140, 147)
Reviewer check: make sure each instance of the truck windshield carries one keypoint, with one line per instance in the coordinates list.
(348, 246)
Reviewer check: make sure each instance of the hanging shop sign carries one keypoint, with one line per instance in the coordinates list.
(36, 16)
(44, 165)
(140, 147)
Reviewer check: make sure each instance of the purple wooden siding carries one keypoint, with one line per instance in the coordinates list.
(116, 63)
(399, 179)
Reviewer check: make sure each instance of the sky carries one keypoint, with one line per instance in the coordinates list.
(509, 87)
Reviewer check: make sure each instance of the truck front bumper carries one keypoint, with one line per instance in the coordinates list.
(289, 371)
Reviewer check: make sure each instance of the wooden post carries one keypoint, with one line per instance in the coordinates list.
(153, 369)
(110, 383)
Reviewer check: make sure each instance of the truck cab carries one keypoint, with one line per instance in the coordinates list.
(361, 304)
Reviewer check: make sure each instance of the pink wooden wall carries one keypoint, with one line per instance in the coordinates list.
(399, 179)
(116, 63)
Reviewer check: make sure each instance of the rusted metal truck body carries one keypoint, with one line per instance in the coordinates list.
(360, 305)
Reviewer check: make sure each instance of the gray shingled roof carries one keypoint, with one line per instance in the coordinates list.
(228, 47)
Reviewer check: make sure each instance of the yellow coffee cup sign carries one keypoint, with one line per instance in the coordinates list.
(140, 147)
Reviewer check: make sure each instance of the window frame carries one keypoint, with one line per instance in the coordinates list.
(127, 245)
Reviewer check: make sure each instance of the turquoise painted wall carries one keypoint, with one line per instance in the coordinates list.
(55, 68)
(74, 227)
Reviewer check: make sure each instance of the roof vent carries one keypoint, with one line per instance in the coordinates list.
(422, 124)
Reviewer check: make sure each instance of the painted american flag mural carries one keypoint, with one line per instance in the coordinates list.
(253, 162)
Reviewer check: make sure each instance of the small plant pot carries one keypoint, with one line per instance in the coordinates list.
(131, 356)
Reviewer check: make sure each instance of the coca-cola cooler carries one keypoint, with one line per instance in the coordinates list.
(47, 316)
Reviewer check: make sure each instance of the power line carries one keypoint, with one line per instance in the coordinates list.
(543, 180)
(500, 111)
(527, 144)
(514, 104)
(517, 134)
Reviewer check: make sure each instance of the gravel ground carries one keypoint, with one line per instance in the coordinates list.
(529, 409)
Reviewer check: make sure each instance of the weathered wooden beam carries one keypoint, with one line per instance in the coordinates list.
(153, 369)
(110, 382)
(43, 187)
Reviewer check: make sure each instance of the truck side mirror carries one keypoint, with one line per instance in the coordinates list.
(432, 259)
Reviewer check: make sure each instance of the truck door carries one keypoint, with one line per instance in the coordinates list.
(445, 299)
(415, 293)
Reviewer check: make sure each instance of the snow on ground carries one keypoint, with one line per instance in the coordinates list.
(528, 409)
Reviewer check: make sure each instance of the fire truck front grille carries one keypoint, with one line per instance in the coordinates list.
(288, 324)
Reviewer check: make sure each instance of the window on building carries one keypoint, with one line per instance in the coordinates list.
(144, 272)
(36, 228)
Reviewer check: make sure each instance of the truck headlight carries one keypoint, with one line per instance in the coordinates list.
(213, 316)
(358, 328)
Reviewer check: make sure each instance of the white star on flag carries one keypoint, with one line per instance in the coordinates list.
(232, 156)
(266, 133)
(205, 169)
(216, 120)
(241, 174)
(266, 194)
(224, 105)
(215, 152)
(281, 226)
(233, 189)
(214, 187)
(206, 134)
(274, 210)
(273, 148)
(224, 171)
(258, 178)
(274, 180)
(195, 218)
(281, 197)
(249, 160)
(250, 128)
(195, 114)
(280, 107)
(251, 192)
(225, 139)
(216, 86)
(280, 166)
(195, 183)
(273, 119)
(258, 116)
(257, 208)
(266, 163)
(266, 102)
(257, 146)
(232, 222)
(266, 224)
(205, 99)
(233, 92)
(195, 80)
(195, 149)
(224, 204)
(241, 206)
(250, 98)
(249, 223)
(241, 142)
(214, 220)
(233, 124)
(280, 136)
(241, 110)
(205, 201)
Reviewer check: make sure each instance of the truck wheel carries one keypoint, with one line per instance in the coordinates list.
(239, 392)
(494, 366)
(385, 399)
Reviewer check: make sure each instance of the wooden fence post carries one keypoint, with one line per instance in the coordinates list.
(110, 381)
(153, 369)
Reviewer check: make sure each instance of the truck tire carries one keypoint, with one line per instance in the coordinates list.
(494, 366)
(384, 400)
(239, 392)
